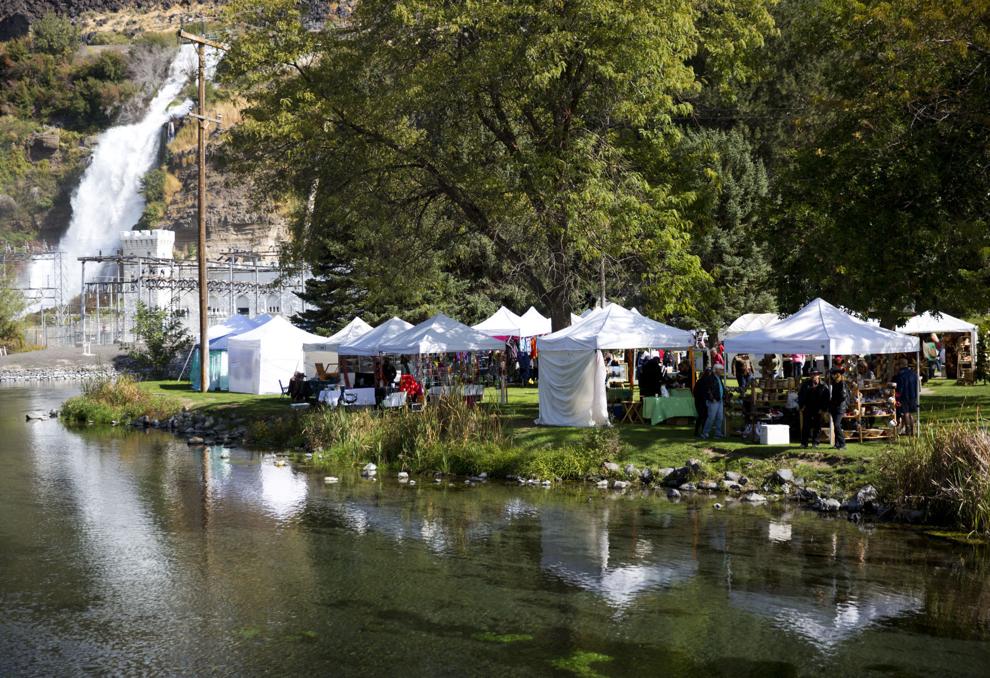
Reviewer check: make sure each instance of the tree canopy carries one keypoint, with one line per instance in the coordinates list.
(535, 126)
(713, 157)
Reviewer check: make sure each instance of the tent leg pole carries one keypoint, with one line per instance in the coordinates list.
(917, 362)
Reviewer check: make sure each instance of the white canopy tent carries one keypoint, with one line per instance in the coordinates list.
(534, 323)
(822, 329)
(270, 353)
(369, 344)
(940, 323)
(748, 322)
(218, 365)
(502, 323)
(440, 334)
(572, 370)
(325, 352)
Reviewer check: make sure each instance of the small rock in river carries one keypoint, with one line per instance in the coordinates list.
(717, 506)
(602, 484)
(403, 475)
(620, 485)
(754, 498)
(330, 480)
(673, 494)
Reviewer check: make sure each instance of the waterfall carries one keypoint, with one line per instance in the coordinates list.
(108, 199)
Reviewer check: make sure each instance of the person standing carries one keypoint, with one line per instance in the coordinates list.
(797, 364)
(701, 401)
(838, 404)
(714, 399)
(906, 383)
(812, 400)
(930, 350)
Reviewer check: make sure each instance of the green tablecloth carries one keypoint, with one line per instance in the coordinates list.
(679, 404)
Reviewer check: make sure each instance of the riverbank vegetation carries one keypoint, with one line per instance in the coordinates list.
(111, 400)
(944, 473)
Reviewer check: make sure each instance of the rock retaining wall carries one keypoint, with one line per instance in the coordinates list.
(13, 375)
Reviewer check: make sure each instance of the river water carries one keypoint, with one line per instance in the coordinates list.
(129, 552)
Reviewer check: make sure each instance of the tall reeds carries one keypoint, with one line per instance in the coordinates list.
(945, 472)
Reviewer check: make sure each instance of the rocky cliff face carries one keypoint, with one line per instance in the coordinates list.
(236, 219)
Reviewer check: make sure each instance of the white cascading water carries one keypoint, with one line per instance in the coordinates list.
(108, 199)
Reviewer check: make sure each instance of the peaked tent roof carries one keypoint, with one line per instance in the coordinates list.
(822, 329)
(502, 323)
(748, 322)
(233, 326)
(352, 331)
(278, 329)
(367, 344)
(928, 322)
(534, 323)
(440, 334)
(615, 327)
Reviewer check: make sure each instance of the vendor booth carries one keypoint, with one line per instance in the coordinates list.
(572, 389)
(269, 354)
(821, 329)
(324, 353)
(445, 354)
(219, 335)
(960, 339)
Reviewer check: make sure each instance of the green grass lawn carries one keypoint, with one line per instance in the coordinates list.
(247, 405)
(656, 446)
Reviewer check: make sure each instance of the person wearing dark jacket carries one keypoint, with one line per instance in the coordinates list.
(714, 393)
(838, 403)
(700, 401)
(812, 401)
(906, 382)
(649, 377)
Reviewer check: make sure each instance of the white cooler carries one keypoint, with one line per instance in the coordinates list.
(775, 434)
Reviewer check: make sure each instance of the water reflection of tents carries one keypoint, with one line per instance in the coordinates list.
(830, 621)
(577, 548)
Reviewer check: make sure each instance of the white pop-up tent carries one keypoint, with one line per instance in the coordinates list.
(534, 323)
(748, 322)
(369, 344)
(326, 351)
(822, 329)
(940, 323)
(572, 370)
(502, 323)
(218, 367)
(262, 357)
(440, 334)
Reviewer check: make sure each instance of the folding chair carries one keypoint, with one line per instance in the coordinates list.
(285, 389)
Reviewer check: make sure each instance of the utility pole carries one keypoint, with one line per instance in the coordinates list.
(200, 115)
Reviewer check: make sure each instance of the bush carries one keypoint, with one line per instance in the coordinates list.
(11, 306)
(162, 337)
(121, 399)
(944, 472)
(54, 35)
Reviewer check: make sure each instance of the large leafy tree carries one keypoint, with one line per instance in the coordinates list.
(883, 173)
(525, 123)
(12, 306)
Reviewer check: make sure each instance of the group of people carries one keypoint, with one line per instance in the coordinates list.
(815, 398)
